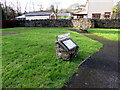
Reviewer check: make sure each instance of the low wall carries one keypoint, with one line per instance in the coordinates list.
(56, 23)
(8, 23)
(106, 23)
(46, 23)
(91, 23)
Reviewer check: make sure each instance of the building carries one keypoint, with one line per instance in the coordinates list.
(64, 15)
(80, 14)
(38, 15)
(22, 17)
(96, 9)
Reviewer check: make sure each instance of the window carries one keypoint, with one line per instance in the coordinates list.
(96, 15)
(107, 15)
(80, 16)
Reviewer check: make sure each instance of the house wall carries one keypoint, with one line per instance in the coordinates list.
(37, 17)
(106, 23)
(99, 6)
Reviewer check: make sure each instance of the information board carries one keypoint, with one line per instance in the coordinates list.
(69, 44)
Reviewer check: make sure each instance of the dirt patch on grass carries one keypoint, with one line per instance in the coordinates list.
(4, 33)
(8, 33)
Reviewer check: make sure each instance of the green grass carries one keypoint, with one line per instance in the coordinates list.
(0, 63)
(13, 29)
(111, 34)
(29, 58)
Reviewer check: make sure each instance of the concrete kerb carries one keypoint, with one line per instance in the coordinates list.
(84, 60)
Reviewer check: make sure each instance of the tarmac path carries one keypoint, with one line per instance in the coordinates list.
(101, 70)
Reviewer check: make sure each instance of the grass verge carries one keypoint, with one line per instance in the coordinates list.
(111, 34)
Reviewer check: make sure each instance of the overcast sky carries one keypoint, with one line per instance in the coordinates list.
(45, 3)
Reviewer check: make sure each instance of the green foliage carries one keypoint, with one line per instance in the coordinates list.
(53, 8)
(111, 34)
(8, 12)
(115, 9)
(29, 59)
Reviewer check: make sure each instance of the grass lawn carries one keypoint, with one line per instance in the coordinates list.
(111, 34)
(29, 58)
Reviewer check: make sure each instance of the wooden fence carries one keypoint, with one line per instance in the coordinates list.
(8, 23)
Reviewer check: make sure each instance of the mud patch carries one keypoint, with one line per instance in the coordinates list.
(4, 33)
(8, 33)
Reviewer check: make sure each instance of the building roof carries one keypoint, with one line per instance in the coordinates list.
(39, 13)
(22, 16)
(64, 14)
(81, 12)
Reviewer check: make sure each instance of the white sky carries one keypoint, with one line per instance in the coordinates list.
(45, 3)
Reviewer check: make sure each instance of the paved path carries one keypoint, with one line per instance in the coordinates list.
(100, 70)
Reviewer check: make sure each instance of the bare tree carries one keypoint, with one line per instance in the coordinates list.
(8, 10)
(18, 7)
(1, 12)
(29, 5)
(40, 6)
(5, 9)
(33, 6)
(54, 7)
(25, 10)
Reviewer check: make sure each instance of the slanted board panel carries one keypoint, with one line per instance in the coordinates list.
(63, 36)
(69, 44)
